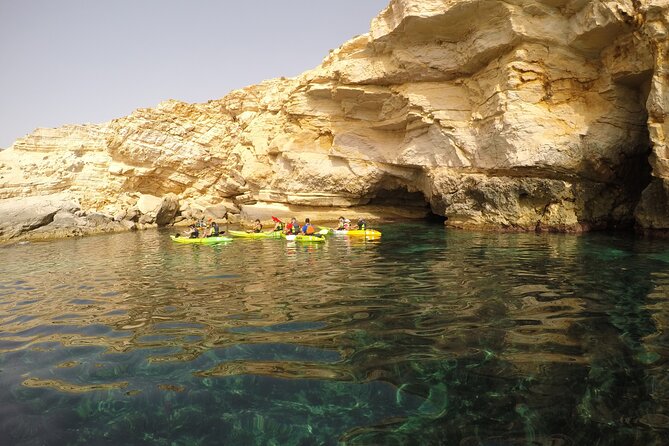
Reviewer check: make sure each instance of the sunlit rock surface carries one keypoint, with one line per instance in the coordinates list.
(511, 115)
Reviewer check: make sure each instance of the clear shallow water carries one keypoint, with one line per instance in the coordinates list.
(425, 337)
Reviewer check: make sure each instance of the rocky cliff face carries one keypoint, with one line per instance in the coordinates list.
(516, 114)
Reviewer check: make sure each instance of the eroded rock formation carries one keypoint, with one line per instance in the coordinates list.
(516, 114)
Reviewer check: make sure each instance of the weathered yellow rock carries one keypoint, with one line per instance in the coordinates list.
(516, 115)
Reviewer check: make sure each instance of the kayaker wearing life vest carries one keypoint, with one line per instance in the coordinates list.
(257, 226)
(362, 224)
(278, 227)
(308, 228)
(214, 231)
(293, 227)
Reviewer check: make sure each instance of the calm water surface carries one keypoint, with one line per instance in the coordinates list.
(425, 337)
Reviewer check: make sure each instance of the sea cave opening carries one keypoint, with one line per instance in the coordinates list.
(635, 173)
(404, 201)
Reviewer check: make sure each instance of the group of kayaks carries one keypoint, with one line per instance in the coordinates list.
(318, 237)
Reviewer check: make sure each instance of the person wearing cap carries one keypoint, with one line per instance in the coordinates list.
(344, 224)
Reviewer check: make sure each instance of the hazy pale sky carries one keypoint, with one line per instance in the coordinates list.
(89, 61)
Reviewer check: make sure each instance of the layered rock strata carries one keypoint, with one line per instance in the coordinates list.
(513, 115)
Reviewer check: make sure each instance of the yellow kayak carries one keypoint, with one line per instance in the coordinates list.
(369, 233)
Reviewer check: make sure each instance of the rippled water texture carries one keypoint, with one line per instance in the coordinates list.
(425, 337)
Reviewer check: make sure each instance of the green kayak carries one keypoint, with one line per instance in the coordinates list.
(201, 241)
(304, 238)
(256, 235)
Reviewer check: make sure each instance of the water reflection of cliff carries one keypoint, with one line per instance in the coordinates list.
(554, 339)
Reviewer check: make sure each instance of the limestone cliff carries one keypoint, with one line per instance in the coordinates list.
(515, 114)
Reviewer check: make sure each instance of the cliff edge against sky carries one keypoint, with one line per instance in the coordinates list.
(513, 115)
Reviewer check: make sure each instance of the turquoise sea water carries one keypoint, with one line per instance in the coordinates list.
(425, 337)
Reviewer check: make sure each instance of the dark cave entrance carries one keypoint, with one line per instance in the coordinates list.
(435, 218)
(635, 173)
(413, 203)
(399, 197)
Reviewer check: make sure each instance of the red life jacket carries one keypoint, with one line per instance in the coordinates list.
(292, 229)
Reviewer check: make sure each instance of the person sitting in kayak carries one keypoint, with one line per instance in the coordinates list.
(293, 227)
(344, 224)
(193, 232)
(362, 224)
(278, 227)
(308, 228)
(206, 229)
(257, 226)
(214, 231)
